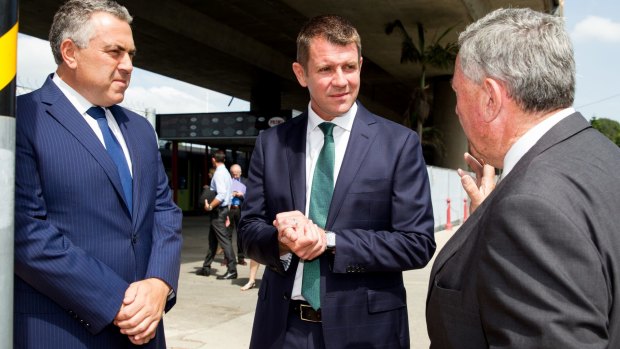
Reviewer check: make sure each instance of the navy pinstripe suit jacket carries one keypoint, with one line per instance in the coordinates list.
(77, 248)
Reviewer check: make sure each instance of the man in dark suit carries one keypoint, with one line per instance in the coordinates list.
(97, 236)
(537, 263)
(335, 281)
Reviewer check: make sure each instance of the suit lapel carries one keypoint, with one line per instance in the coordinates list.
(296, 160)
(460, 236)
(567, 128)
(467, 231)
(362, 136)
(59, 107)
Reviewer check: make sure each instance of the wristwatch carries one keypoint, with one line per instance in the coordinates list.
(331, 241)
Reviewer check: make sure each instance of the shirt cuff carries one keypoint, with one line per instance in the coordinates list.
(285, 259)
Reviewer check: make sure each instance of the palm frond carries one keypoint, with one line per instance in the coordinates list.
(421, 40)
(409, 52)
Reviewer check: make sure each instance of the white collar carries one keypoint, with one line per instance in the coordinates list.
(80, 103)
(529, 139)
(344, 121)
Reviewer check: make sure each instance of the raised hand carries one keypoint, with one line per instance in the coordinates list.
(479, 188)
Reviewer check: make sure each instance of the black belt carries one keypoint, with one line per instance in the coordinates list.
(222, 207)
(234, 206)
(305, 311)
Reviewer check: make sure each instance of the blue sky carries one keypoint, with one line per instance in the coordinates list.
(594, 26)
(147, 89)
(595, 30)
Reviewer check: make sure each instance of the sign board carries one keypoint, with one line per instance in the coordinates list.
(212, 126)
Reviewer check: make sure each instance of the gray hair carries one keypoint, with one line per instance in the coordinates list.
(529, 51)
(72, 21)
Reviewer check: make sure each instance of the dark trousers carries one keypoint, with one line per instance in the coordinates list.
(218, 233)
(301, 334)
(234, 214)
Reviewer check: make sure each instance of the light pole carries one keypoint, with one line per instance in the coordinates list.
(8, 62)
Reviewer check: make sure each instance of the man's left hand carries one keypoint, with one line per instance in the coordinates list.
(300, 235)
(142, 309)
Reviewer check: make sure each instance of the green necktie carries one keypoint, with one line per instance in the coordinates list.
(320, 199)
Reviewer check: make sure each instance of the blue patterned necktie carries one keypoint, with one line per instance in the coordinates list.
(115, 151)
(320, 199)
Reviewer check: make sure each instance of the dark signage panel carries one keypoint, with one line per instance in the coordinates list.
(205, 126)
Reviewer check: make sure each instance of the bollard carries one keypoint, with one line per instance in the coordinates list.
(448, 219)
(464, 210)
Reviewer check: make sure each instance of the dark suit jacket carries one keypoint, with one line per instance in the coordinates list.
(382, 216)
(206, 194)
(538, 264)
(77, 248)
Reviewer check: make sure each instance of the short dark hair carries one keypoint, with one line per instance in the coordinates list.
(335, 29)
(219, 155)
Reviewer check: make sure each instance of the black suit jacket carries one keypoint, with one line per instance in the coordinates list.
(537, 265)
(382, 216)
(206, 194)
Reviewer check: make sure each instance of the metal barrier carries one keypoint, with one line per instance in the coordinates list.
(446, 189)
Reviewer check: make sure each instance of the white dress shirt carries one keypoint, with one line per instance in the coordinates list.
(221, 183)
(314, 143)
(529, 139)
(82, 105)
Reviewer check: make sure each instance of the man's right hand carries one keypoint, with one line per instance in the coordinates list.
(299, 235)
(142, 309)
(477, 189)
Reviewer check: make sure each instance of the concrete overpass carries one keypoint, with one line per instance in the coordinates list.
(245, 48)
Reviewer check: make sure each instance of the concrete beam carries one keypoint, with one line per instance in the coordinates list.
(477, 8)
(187, 22)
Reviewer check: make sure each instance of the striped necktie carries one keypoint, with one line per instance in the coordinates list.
(320, 200)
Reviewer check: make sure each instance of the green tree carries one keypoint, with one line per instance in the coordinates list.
(433, 55)
(609, 128)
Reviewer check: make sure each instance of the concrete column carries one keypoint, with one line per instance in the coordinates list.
(446, 121)
(266, 94)
(8, 62)
(151, 116)
(175, 171)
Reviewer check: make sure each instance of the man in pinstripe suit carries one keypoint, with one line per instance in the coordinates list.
(97, 236)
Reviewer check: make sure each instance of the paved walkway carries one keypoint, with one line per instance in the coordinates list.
(214, 313)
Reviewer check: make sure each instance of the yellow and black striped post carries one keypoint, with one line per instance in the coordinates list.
(8, 67)
(8, 56)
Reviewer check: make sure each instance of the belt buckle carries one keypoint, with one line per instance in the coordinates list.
(301, 313)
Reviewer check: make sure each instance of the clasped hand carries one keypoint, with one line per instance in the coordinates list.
(142, 309)
(299, 235)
